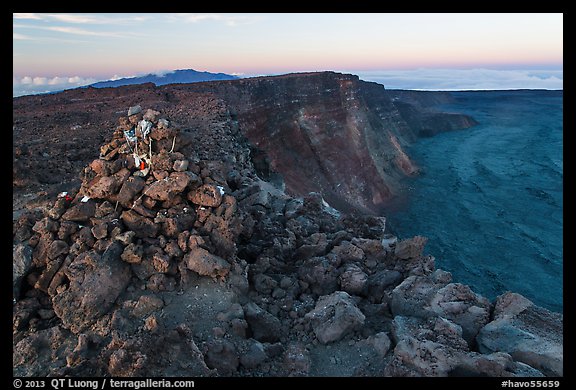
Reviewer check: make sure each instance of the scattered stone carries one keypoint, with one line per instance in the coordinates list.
(125, 238)
(95, 283)
(335, 316)
(204, 263)
(254, 356)
(410, 248)
(146, 305)
(134, 110)
(141, 226)
(264, 326)
(353, 280)
(161, 262)
(381, 343)
(222, 356)
(133, 253)
(80, 212)
(530, 334)
(297, 360)
(21, 264)
(458, 303)
(100, 231)
(180, 165)
(207, 195)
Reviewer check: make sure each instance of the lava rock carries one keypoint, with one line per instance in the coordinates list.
(133, 253)
(169, 187)
(335, 316)
(141, 226)
(461, 305)
(530, 334)
(80, 212)
(410, 248)
(254, 356)
(353, 280)
(95, 283)
(21, 265)
(265, 327)
(207, 195)
(222, 356)
(204, 263)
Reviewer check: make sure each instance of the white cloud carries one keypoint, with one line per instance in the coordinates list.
(20, 36)
(80, 31)
(162, 73)
(227, 19)
(31, 16)
(74, 18)
(39, 81)
(465, 79)
(24, 80)
(96, 19)
(30, 85)
(82, 18)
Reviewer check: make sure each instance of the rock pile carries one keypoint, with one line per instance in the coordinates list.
(162, 264)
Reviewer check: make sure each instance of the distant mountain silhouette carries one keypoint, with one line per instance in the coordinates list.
(177, 76)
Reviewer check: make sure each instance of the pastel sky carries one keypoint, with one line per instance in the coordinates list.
(75, 49)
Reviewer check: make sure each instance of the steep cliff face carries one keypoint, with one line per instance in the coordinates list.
(420, 111)
(331, 133)
(314, 132)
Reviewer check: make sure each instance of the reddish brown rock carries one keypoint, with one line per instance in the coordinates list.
(167, 188)
(130, 188)
(57, 248)
(410, 248)
(204, 263)
(347, 251)
(103, 187)
(80, 212)
(95, 283)
(46, 277)
(141, 226)
(100, 230)
(101, 167)
(59, 208)
(133, 253)
(163, 134)
(146, 305)
(207, 195)
(161, 262)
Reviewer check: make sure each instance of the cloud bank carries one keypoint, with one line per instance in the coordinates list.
(31, 85)
(465, 79)
(420, 79)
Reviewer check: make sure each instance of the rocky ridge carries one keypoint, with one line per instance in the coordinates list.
(173, 260)
(322, 132)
